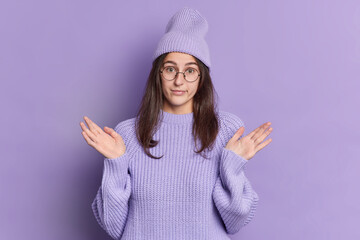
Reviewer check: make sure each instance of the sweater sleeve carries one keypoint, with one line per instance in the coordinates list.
(233, 194)
(110, 205)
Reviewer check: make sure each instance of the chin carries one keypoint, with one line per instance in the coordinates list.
(177, 103)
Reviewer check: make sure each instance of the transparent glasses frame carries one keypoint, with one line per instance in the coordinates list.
(161, 71)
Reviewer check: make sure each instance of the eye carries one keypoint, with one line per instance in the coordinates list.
(169, 69)
(191, 70)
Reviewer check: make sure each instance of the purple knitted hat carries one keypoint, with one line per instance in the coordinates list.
(185, 32)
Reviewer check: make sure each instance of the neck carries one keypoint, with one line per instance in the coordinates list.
(168, 117)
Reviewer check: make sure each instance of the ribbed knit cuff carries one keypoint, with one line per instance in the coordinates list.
(254, 205)
(233, 161)
(116, 169)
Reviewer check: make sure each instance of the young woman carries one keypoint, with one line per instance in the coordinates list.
(177, 169)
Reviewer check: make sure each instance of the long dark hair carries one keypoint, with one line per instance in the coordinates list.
(205, 126)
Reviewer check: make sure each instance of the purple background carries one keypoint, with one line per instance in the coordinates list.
(293, 63)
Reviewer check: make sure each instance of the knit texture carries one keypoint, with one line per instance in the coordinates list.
(180, 196)
(185, 32)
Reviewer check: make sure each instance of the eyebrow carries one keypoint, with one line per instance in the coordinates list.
(189, 63)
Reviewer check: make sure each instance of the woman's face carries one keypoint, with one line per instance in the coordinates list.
(173, 101)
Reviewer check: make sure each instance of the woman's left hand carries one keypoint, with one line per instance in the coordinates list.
(247, 146)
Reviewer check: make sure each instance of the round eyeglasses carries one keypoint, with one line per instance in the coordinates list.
(190, 75)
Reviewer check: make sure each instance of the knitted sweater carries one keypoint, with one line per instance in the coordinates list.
(180, 196)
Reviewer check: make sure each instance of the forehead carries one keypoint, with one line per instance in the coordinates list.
(179, 58)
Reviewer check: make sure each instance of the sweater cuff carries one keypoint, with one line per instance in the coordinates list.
(231, 160)
(116, 168)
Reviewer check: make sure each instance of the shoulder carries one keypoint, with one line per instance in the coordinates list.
(126, 129)
(230, 120)
(126, 126)
(229, 124)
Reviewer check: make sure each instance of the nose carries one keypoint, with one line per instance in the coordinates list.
(179, 79)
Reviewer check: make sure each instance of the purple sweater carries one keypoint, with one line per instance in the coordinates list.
(180, 196)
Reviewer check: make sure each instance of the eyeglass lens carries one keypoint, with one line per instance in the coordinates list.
(191, 74)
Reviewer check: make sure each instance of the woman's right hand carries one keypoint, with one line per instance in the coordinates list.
(108, 142)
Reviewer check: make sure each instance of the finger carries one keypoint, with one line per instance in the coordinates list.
(87, 120)
(262, 145)
(115, 135)
(91, 135)
(110, 131)
(83, 126)
(87, 139)
(237, 134)
(93, 126)
(258, 131)
(261, 138)
(252, 134)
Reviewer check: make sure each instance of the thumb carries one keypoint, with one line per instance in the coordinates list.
(111, 132)
(238, 133)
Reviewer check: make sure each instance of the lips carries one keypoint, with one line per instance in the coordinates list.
(178, 92)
